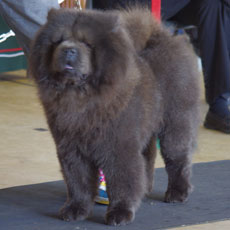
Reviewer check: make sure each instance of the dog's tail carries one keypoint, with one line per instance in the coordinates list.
(140, 24)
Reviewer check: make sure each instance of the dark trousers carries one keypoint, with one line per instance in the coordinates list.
(111, 4)
(212, 18)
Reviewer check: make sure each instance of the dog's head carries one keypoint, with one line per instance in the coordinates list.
(80, 49)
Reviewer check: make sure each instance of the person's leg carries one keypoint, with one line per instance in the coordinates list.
(25, 17)
(213, 21)
(215, 49)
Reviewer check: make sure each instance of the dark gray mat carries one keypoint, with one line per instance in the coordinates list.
(35, 207)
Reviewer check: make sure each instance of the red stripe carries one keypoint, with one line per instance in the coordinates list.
(156, 9)
(10, 50)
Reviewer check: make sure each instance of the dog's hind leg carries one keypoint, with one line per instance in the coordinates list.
(177, 146)
(149, 154)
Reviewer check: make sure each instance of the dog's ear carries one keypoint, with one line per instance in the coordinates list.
(52, 14)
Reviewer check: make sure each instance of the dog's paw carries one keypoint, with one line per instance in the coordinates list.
(119, 217)
(175, 196)
(73, 211)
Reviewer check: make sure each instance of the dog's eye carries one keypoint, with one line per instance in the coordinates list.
(90, 46)
(56, 40)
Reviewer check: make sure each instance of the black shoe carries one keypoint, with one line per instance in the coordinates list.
(218, 116)
(214, 121)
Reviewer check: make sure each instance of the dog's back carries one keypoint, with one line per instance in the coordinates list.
(171, 59)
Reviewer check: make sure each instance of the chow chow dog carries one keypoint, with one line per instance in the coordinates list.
(110, 84)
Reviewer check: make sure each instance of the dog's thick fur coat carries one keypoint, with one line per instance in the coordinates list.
(110, 83)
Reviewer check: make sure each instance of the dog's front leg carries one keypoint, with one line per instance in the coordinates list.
(81, 178)
(126, 184)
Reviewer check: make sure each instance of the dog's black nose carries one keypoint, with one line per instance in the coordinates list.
(71, 54)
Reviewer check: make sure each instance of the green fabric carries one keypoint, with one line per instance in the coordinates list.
(10, 63)
(158, 144)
